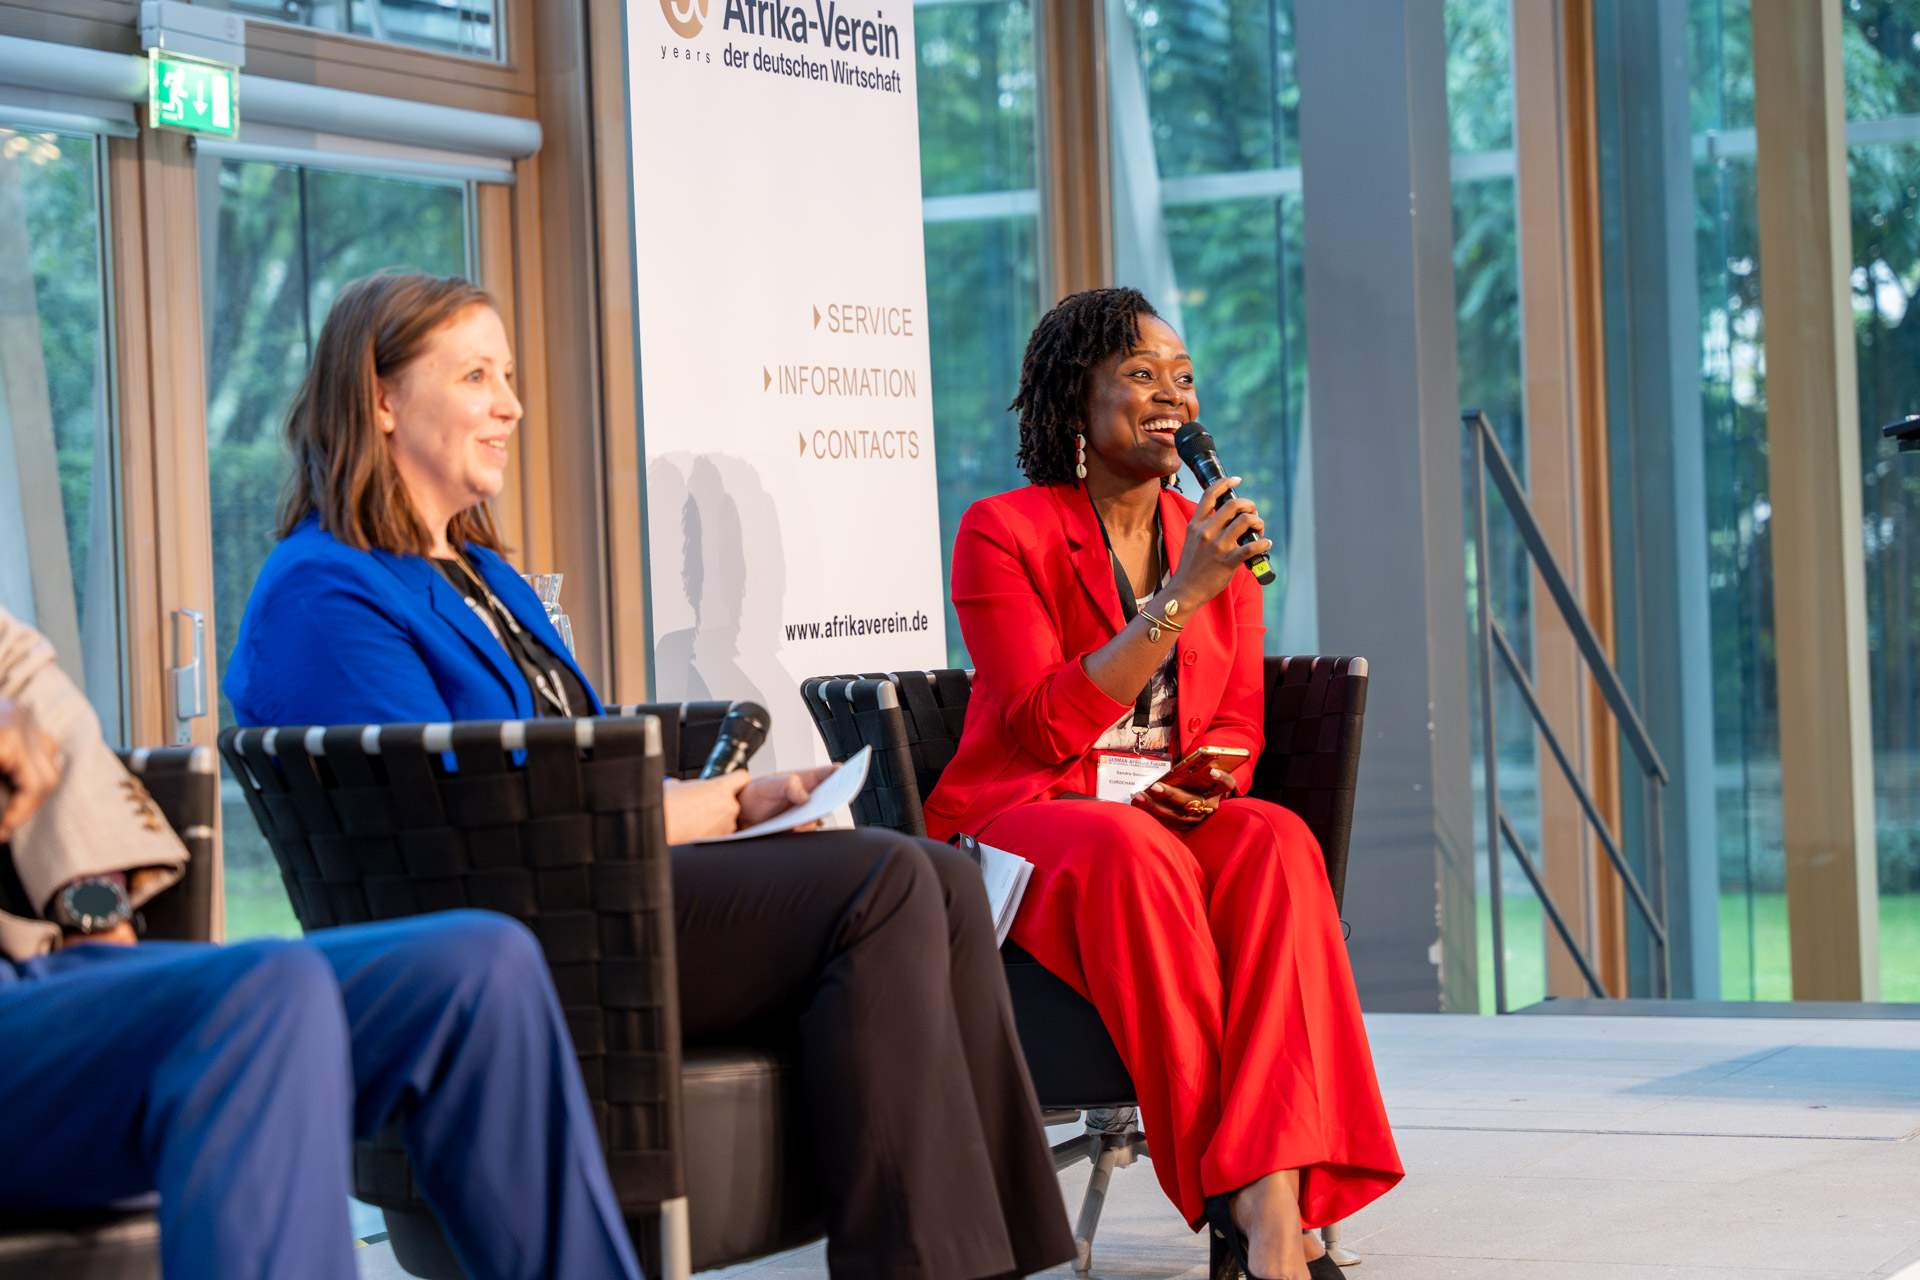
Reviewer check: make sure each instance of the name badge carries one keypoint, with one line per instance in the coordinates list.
(1121, 776)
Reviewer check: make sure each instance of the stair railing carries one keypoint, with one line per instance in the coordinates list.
(1489, 459)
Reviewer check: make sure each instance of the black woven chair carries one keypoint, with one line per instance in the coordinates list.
(557, 823)
(124, 1243)
(1315, 708)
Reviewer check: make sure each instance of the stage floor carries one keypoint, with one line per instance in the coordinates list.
(1595, 1148)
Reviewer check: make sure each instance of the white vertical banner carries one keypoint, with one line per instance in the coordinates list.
(786, 398)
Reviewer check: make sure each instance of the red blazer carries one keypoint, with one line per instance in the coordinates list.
(1034, 589)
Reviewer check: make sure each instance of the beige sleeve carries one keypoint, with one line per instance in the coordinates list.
(99, 819)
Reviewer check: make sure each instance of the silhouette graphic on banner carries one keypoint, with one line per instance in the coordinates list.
(719, 637)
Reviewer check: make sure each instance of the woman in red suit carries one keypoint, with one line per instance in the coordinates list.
(1198, 922)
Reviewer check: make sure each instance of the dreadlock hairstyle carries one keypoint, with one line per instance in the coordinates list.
(1082, 330)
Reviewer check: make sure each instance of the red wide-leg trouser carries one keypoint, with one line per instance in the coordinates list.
(1216, 960)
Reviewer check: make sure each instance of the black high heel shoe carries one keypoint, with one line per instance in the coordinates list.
(1220, 1223)
(1325, 1268)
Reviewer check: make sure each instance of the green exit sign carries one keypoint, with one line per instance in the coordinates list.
(186, 93)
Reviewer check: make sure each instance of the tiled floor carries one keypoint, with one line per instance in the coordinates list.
(1575, 1148)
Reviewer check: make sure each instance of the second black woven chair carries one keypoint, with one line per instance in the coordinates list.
(557, 823)
(1315, 710)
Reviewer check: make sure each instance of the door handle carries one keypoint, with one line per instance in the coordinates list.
(189, 677)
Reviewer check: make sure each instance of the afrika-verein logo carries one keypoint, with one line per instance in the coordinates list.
(685, 16)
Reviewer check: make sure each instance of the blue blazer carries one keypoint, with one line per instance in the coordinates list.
(337, 636)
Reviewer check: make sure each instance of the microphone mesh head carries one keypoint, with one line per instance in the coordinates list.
(1193, 441)
(748, 722)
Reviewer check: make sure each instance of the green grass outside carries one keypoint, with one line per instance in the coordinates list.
(1520, 922)
(257, 907)
(1771, 976)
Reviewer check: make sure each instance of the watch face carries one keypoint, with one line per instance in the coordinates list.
(97, 900)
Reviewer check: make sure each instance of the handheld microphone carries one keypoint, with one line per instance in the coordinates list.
(1196, 450)
(741, 734)
(1906, 432)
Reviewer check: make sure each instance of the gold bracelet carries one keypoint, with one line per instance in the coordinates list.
(1155, 624)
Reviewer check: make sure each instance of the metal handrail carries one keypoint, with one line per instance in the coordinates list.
(1489, 459)
(1532, 699)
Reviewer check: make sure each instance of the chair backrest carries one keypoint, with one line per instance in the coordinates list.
(912, 729)
(185, 784)
(557, 823)
(1315, 708)
(1315, 711)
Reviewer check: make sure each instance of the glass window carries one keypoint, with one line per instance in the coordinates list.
(981, 212)
(470, 27)
(1883, 87)
(279, 242)
(1883, 111)
(1207, 198)
(1754, 958)
(1486, 280)
(1206, 202)
(59, 534)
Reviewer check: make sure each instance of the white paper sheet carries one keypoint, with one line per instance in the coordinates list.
(839, 789)
(1006, 875)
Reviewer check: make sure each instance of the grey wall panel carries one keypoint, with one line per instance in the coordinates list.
(1378, 235)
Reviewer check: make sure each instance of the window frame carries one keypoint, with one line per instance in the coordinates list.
(262, 22)
(110, 410)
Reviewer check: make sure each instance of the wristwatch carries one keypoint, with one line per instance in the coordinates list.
(92, 904)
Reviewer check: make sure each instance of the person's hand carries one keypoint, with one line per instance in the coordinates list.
(1179, 809)
(708, 807)
(773, 795)
(29, 767)
(1212, 554)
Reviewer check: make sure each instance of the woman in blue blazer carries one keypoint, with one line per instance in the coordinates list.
(374, 637)
(387, 600)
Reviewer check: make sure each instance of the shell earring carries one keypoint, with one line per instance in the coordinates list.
(1080, 456)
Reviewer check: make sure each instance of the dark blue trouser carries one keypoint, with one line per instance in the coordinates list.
(231, 1079)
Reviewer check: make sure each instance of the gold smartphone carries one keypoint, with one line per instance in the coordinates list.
(1193, 772)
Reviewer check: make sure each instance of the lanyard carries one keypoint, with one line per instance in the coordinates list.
(543, 681)
(1143, 705)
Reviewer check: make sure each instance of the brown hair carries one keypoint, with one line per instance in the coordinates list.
(342, 467)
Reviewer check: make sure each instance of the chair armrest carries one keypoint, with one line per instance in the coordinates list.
(185, 785)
